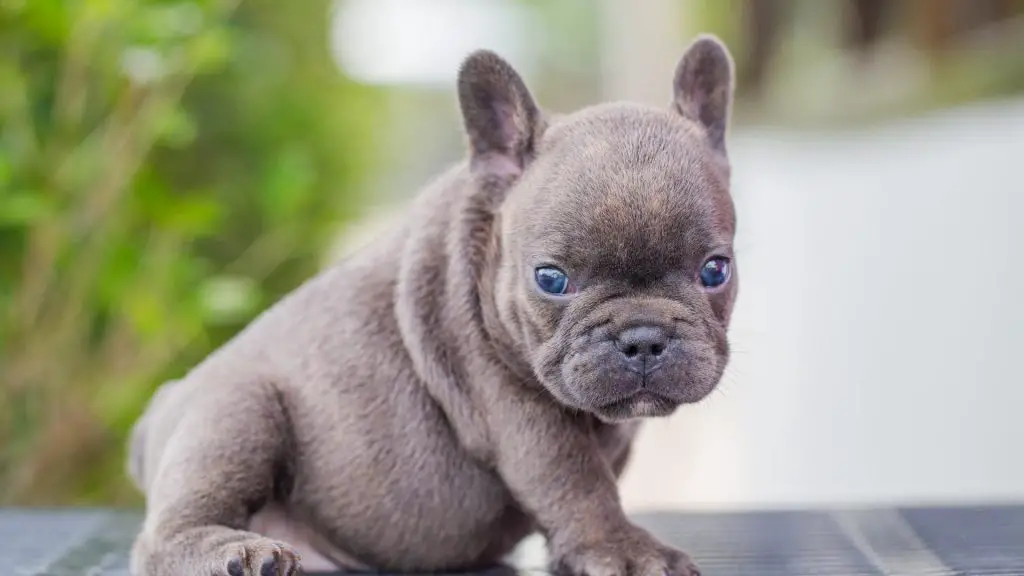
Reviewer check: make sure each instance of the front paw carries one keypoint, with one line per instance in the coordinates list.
(260, 557)
(630, 552)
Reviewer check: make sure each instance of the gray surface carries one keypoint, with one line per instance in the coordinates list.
(967, 541)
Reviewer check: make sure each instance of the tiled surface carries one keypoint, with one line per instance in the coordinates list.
(965, 541)
(979, 541)
(764, 544)
(63, 543)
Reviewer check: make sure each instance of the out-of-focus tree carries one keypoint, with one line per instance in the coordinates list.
(167, 169)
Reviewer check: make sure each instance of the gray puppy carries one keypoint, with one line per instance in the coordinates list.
(477, 373)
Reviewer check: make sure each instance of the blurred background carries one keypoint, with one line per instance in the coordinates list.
(170, 168)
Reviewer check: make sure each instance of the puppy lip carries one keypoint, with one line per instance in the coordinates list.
(638, 394)
(623, 408)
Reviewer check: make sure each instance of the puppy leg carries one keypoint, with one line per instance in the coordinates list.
(553, 466)
(228, 454)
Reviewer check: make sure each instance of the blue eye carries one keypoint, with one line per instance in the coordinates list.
(715, 272)
(551, 280)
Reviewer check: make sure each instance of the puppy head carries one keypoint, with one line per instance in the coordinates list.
(616, 277)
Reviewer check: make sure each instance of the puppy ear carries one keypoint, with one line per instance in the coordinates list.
(703, 87)
(500, 117)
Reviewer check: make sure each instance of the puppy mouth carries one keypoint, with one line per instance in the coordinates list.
(642, 403)
(642, 370)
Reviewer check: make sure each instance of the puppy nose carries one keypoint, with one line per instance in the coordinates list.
(643, 343)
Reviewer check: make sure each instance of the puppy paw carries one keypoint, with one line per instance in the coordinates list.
(260, 557)
(632, 553)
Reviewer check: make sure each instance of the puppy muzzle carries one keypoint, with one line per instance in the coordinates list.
(642, 370)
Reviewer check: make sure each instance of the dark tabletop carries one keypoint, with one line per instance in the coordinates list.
(962, 540)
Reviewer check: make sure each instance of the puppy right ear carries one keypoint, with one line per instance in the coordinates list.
(499, 115)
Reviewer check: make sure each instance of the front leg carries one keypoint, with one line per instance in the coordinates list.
(554, 467)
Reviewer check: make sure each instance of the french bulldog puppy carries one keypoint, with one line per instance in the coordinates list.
(476, 374)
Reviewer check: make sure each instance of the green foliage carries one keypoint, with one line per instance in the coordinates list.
(167, 170)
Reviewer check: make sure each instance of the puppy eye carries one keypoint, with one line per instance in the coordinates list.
(715, 272)
(552, 280)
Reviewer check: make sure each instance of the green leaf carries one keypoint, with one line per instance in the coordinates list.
(226, 299)
(175, 128)
(146, 312)
(6, 171)
(209, 51)
(48, 21)
(21, 208)
(193, 216)
(288, 183)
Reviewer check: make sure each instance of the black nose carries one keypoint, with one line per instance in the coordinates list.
(642, 343)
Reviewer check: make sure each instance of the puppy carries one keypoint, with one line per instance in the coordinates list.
(478, 373)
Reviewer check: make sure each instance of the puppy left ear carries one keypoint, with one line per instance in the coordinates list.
(703, 87)
(499, 114)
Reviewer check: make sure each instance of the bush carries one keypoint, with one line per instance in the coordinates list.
(167, 169)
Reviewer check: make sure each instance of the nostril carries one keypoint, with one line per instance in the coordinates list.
(642, 342)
